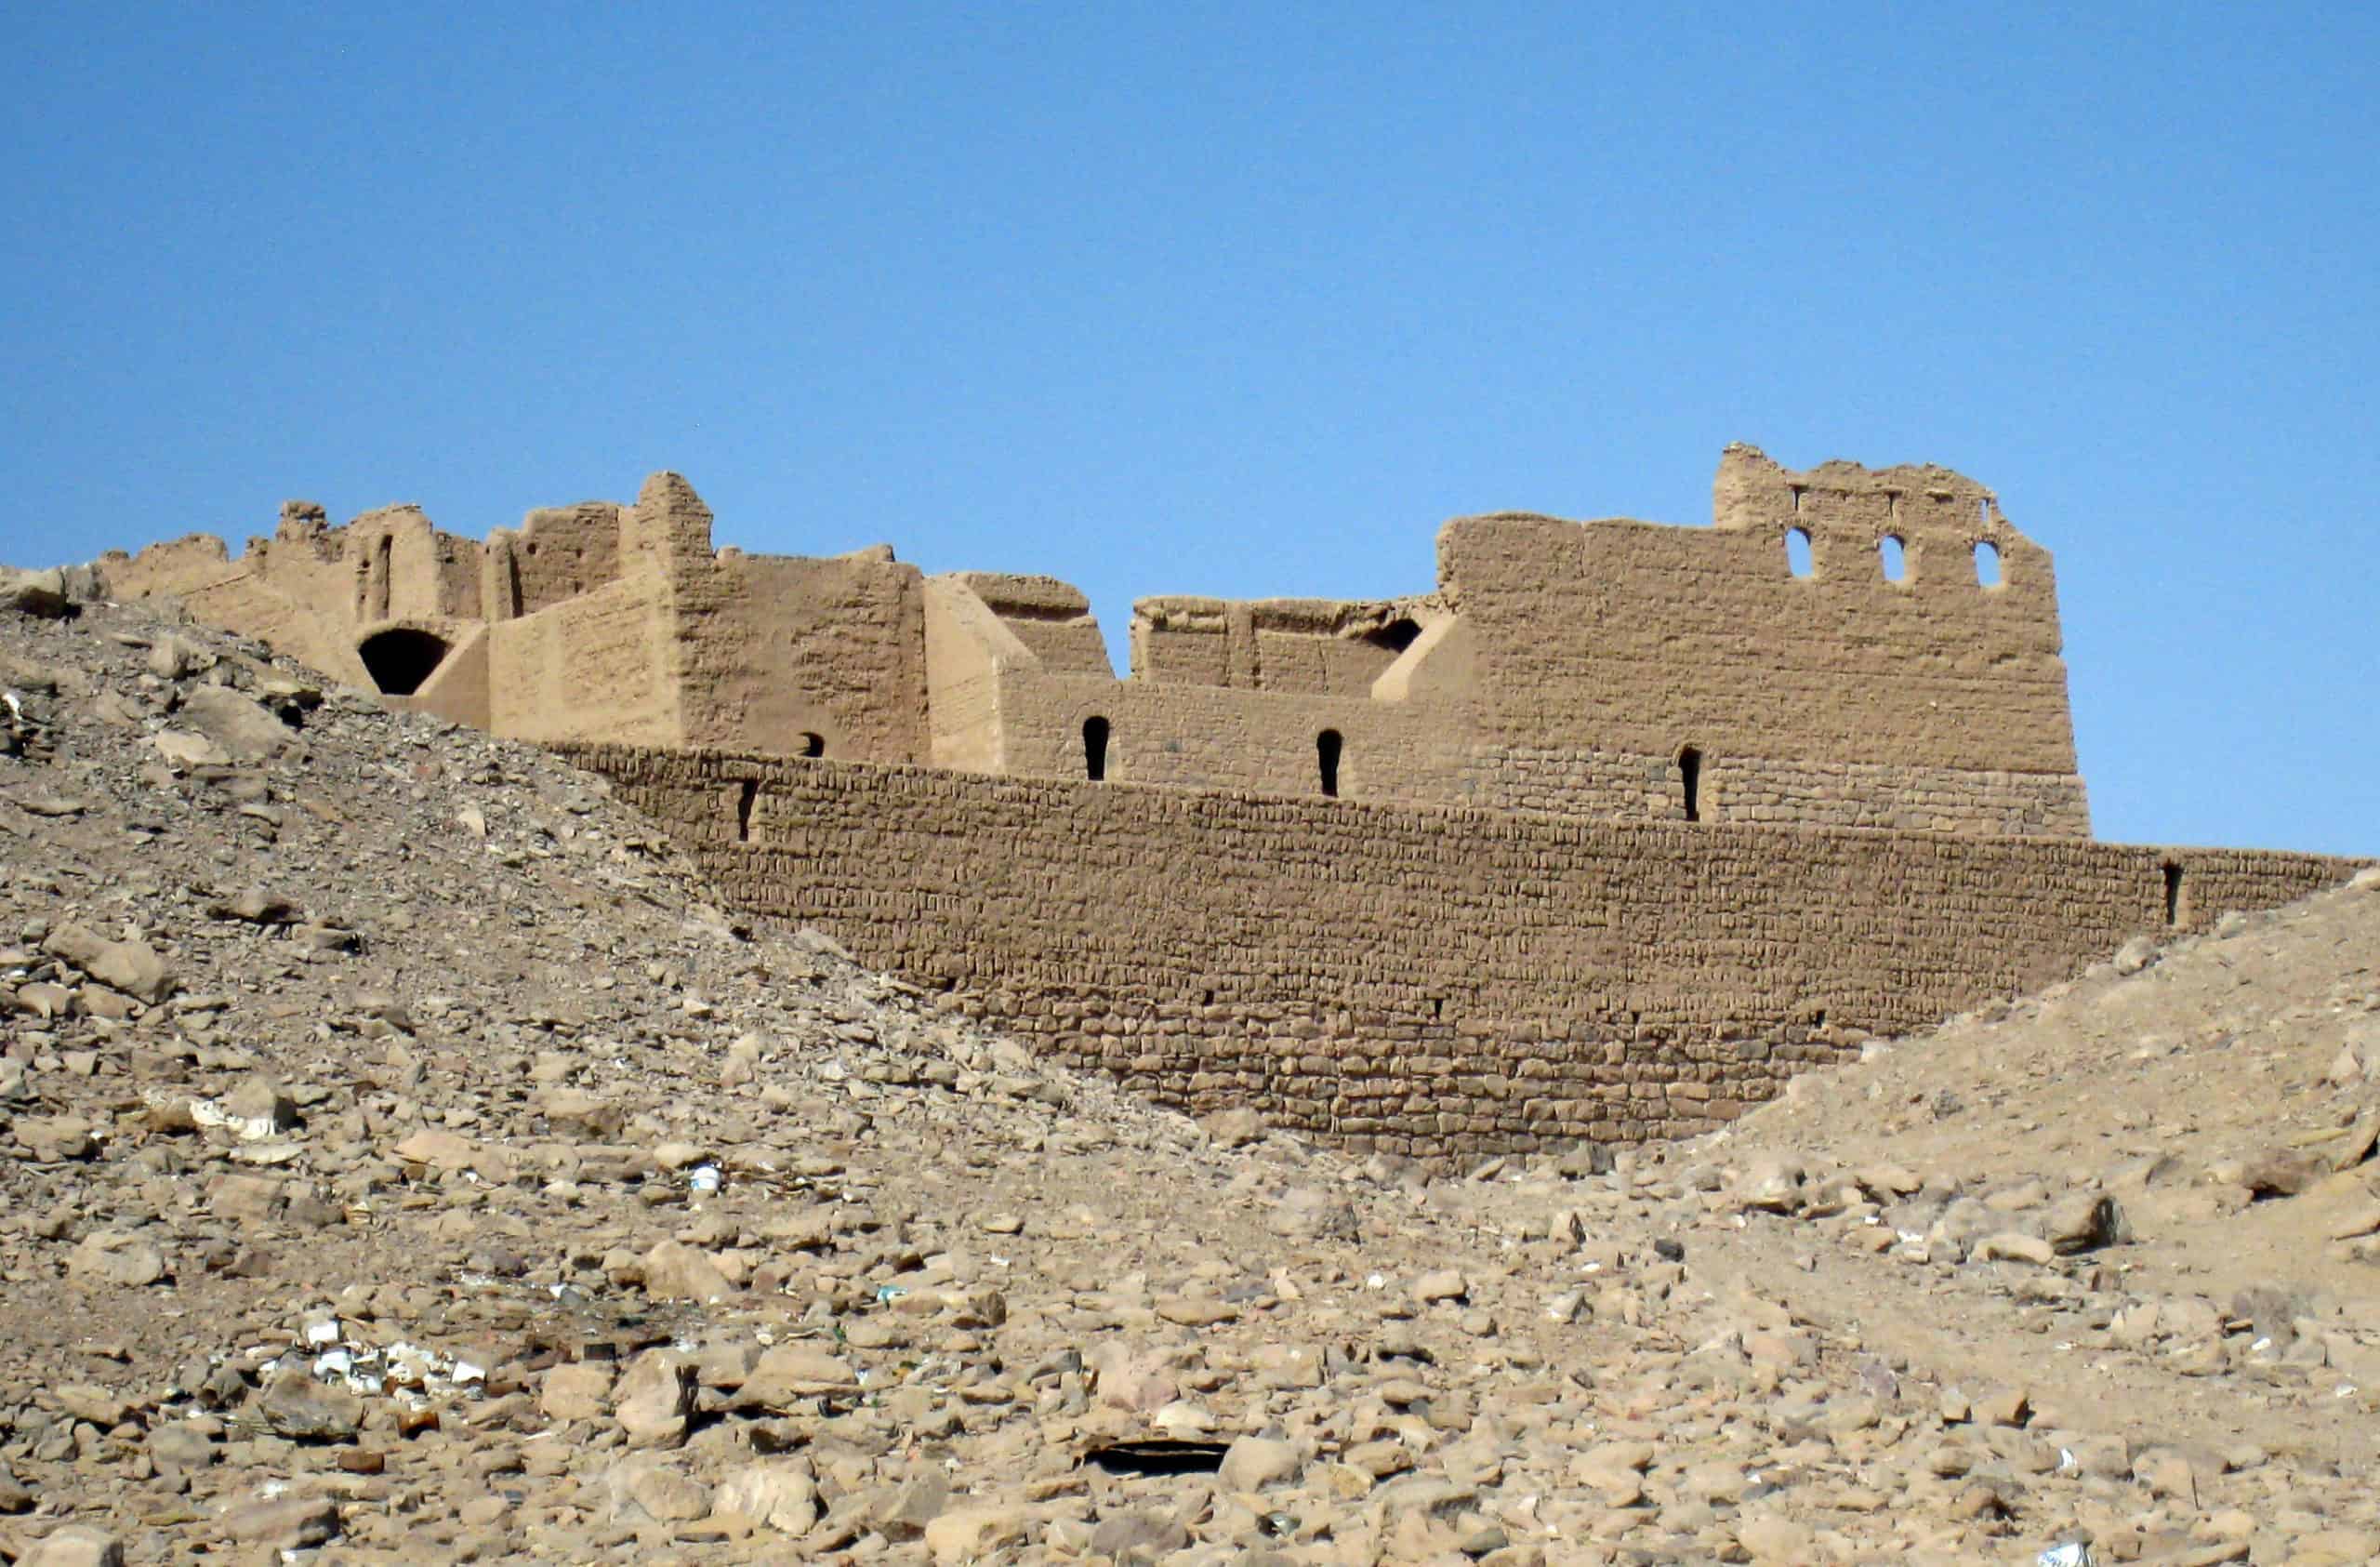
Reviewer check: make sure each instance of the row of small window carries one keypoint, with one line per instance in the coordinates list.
(1892, 556)
(1327, 747)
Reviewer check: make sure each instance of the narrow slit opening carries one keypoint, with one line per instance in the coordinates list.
(746, 792)
(383, 561)
(1798, 559)
(2177, 909)
(1094, 749)
(1689, 772)
(1326, 747)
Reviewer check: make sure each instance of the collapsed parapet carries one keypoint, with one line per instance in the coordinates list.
(1826, 653)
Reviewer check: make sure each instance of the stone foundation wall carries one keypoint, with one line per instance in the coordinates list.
(1431, 981)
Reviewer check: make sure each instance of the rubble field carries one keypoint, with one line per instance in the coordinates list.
(403, 1157)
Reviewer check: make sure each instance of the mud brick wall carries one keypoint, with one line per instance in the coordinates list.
(1430, 981)
(1195, 736)
(559, 552)
(589, 666)
(1752, 789)
(1645, 639)
(768, 649)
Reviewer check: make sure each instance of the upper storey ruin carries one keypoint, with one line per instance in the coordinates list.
(1844, 646)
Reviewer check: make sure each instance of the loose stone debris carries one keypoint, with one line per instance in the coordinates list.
(404, 1161)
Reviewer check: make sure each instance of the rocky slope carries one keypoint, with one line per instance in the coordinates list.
(401, 1159)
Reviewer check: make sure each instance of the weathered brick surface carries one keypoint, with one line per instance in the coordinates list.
(1435, 981)
(1752, 790)
(1630, 821)
(1556, 666)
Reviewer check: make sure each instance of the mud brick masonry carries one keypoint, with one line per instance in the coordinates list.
(1602, 839)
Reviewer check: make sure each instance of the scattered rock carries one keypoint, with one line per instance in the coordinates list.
(2281, 1173)
(972, 1533)
(134, 967)
(776, 1494)
(112, 1256)
(290, 1525)
(2086, 1221)
(676, 1271)
(654, 1398)
(482, 1191)
(76, 1544)
(295, 1406)
(39, 593)
(1255, 1463)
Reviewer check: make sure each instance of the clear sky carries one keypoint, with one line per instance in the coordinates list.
(1247, 299)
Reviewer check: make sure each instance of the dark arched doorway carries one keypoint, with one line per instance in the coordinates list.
(401, 659)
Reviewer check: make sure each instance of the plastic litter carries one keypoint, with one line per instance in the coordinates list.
(2074, 1553)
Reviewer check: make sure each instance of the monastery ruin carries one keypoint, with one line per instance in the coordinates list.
(1601, 839)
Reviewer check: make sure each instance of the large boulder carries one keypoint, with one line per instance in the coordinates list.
(240, 726)
(134, 967)
(43, 593)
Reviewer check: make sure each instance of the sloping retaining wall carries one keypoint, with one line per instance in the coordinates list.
(1429, 981)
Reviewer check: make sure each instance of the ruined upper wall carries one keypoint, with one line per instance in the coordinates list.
(795, 655)
(1327, 647)
(592, 621)
(314, 592)
(1612, 669)
(1051, 618)
(1560, 668)
(559, 552)
(1647, 639)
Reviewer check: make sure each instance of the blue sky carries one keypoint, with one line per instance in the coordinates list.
(1247, 299)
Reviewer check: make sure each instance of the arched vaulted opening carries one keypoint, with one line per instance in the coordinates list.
(402, 660)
